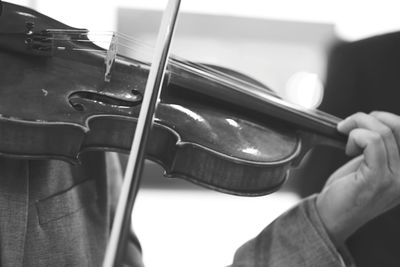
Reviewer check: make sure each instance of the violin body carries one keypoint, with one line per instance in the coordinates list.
(56, 103)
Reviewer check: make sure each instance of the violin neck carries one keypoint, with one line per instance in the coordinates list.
(251, 95)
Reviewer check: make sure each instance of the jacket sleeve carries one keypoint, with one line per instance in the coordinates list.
(296, 238)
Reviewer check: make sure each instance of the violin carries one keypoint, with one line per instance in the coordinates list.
(61, 95)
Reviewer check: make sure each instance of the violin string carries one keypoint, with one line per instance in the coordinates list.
(97, 41)
(146, 46)
(256, 90)
(217, 74)
(91, 40)
(129, 43)
(131, 48)
(199, 69)
(194, 68)
(101, 50)
(102, 33)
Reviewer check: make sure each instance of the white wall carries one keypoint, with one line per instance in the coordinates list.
(353, 19)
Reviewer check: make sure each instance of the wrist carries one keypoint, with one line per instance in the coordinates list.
(334, 221)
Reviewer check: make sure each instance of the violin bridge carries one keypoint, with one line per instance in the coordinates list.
(110, 58)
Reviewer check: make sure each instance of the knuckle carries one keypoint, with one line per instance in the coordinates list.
(359, 115)
(376, 138)
(376, 113)
(386, 132)
(353, 136)
(384, 183)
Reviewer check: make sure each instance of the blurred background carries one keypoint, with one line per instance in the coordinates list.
(283, 44)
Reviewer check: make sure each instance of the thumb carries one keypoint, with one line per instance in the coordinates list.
(345, 170)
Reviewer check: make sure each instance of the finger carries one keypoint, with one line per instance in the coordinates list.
(362, 120)
(350, 167)
(372, 145)
(391, 120)
(352, 148)
(349, 123)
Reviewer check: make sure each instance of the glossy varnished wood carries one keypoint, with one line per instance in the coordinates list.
(56, 104)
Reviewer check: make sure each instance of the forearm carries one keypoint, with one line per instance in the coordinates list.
(296, 238)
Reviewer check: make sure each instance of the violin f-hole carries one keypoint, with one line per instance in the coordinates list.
(77, 99)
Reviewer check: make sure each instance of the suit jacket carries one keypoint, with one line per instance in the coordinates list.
(56, 214)
(53, 213)
(295, 239)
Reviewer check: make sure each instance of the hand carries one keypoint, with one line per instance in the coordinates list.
(369, 184)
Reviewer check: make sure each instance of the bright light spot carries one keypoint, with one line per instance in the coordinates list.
(232, 123)
(188, 112)
(45, 92)
(304, 89)
(251, 150)
(24, 14)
